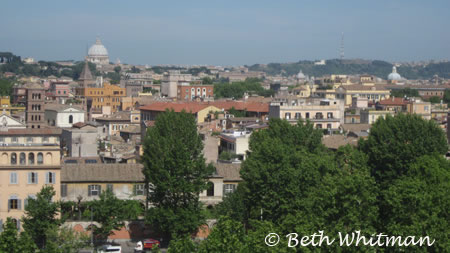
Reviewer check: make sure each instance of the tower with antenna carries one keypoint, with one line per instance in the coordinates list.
(341, 51)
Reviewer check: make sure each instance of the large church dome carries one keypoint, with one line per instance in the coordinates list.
(394, 76)
(98, 49)
(98, 54)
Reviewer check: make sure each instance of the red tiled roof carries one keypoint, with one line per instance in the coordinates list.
(32, 131)
(241, 105)
(393, 101)
(177, 107)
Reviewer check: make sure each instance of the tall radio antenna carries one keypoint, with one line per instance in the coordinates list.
(341, 51)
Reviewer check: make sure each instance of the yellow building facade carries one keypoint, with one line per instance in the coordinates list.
(29, 159)
(108, 95)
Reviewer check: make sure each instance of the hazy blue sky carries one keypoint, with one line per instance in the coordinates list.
(227, 32)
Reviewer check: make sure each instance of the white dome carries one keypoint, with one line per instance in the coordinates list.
(97, 49)
(300, 75)
(394, 76)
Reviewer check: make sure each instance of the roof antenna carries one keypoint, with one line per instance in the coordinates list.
(341, 53)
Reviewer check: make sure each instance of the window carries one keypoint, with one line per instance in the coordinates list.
(329, 126)
(426, 108)
(287, 115)
(40, 158)
(319, 126)
(110, 187)
(298, 115)
(94, 190)
(23, 159)
(13, 158)
(45, 139)
(50, 178)
(13, 178)
(330, 115)
(319, 115)
(139, 189)
(70, 119)
(30, 139)
(32, 177)
(2, 139)
(210, 190)
(307, 115)
(63, 190)
(228, 188)
(14, 203)
(90, 161)
(31, 158)
(14, 139)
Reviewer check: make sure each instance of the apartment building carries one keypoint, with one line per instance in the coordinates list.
(323, 113)
(29, 159)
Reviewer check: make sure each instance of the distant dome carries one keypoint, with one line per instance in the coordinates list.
(98, 54)
(98, 49)
(394, 76)
(300, 75)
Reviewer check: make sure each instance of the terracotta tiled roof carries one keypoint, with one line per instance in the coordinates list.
(32, 131)
(393, 101)
(335, 141)
(229, 171)
(241, 105)
(106, 172)
(356, 127)
(191, 107)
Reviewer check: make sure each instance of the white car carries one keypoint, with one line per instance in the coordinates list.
(110, 248)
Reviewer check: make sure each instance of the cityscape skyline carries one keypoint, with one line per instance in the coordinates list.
(245, 34)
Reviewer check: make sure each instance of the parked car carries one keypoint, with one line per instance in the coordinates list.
(141, 246)
(110, 248)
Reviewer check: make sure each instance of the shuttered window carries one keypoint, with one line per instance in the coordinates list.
(63, 190)
(32, 177)
(50, 178)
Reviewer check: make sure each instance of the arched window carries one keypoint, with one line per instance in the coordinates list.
(70, 119)
(40, 158)
(31, 158)
(210, 190)
(22, 159)
(13, 158)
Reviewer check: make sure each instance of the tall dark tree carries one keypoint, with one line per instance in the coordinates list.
(175, 171)
(283, 162)
(395, 142)
(41, 215)
(12, 242)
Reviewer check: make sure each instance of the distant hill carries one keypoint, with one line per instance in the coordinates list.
(352, 67)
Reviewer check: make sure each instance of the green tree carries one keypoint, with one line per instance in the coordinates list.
(226, 236)
(183, 244)
(111, 213)
(434, 100)
(207, 80)
(394, 144)
(41, 215)
(417, 203)
(65, 240)
(282, 155)
(408, 92)
(175, 171)
(11, 242)
(6, 87)
(233, 206)
(117, 69)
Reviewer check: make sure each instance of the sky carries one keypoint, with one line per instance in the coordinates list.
(217, 32)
